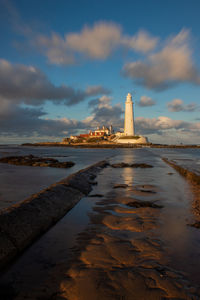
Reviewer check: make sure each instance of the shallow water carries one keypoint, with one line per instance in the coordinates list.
(188, 158)
(19, 182)
(47, 267)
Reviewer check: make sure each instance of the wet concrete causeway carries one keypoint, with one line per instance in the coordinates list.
(128, 239)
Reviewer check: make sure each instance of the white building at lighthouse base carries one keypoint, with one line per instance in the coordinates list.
(132, 140)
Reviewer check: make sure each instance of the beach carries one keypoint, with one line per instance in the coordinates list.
(129, 238)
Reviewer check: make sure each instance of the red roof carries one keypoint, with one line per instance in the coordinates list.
(84, 135)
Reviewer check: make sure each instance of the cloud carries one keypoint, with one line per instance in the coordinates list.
(141, 42)
(54, 48)
(93, 42)
(12, 16)
(177, 105)
(19, 121)
(20, 84)
(103, 101)
(162, 123)
(31, 86)
(96, 42)
(107, 116)
(104, 113)
(31, 123)
(172, 65)
(146, 101)
(96, 90)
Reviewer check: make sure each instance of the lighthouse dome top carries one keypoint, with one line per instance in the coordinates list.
(129, 98)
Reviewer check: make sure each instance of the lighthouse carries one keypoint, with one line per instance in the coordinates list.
(128, 136)
(129, 117)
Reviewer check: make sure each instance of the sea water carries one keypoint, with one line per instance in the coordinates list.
(19, 182)
(39, 266)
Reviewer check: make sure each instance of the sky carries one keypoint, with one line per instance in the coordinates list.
(67, 66)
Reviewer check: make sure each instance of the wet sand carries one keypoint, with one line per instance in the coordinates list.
(115, 245)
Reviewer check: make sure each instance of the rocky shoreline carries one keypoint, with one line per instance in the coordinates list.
(107, 145)
(23, 222)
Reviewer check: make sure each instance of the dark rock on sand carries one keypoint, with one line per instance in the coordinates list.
(34, 161)
(195, 225)
(125, 165)
(142, 165)
(93, 182)
(138, 204)
(142, 191)
(96, 195)
(120, 185)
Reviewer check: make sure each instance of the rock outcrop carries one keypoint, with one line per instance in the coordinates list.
(125, 165)
(34, 161)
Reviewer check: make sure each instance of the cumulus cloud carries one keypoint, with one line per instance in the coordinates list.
(104, 113)
(96, 90)
(25, 122)
(96, 42)
(163, 123)
(141, 42)
(55, 48)
(19, 85)
(172, 65)
(103, 101)
(31, 86)
(19, 121)
(146, 101)
(107, 116)
(177, 105)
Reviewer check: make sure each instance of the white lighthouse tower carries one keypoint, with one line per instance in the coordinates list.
(129, 117)
(128, 136)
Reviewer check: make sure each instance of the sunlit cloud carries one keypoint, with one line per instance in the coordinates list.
(177, 105)
(162, 123)
(172, 65)
(103, 101)
(146, 101)
(97, 42)
(32, 122)
(141, 42)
